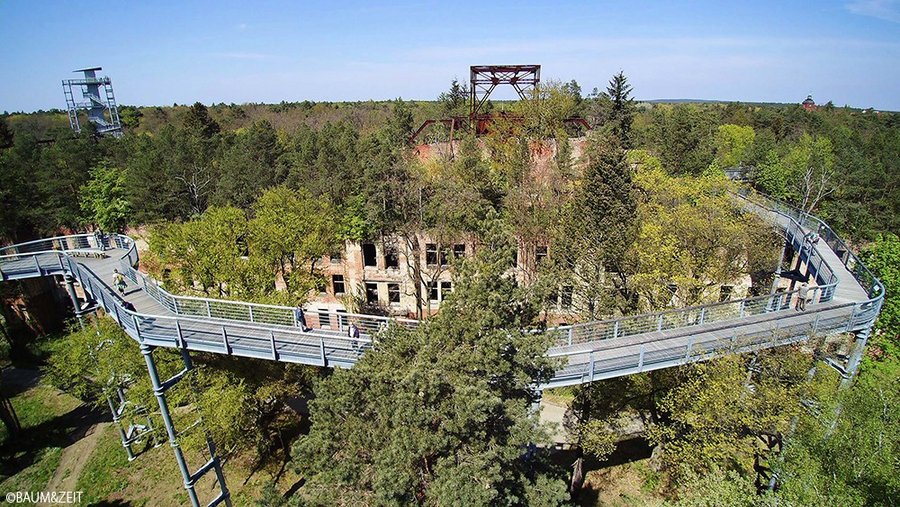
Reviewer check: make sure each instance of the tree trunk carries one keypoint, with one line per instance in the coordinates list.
(577, 480)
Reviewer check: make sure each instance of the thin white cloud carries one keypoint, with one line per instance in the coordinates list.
(241, 27)
(888, 10)
(240, 55)
(563, 46)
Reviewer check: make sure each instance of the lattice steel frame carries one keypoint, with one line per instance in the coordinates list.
(101, 109)
(483, 79)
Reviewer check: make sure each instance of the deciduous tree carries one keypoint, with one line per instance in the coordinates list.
(104, 198)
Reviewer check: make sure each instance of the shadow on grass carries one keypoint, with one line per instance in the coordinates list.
(17, 380)
(20, 452)
(627, 451)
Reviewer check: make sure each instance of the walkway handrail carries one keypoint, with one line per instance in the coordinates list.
(675, 318)
(873, 286)
(56, 243)
(252, 324)
(573, 334)
(710, 312)
(227, 337)
(242, 311)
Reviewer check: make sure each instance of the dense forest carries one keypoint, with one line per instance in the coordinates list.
(234, 197)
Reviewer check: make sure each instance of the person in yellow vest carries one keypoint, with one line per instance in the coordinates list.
(119, 281)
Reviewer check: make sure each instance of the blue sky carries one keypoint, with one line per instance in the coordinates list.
(162, 52)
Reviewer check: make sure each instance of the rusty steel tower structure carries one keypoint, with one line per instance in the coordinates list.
(97, 98)
(483, 80)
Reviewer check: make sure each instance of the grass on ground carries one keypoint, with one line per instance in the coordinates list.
(561, 396)
(628, 485)
(36, 476)
(154, 479)
(29, 459)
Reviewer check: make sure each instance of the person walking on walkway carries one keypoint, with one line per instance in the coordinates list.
(301, 319)
(802, 294)
(119, 281)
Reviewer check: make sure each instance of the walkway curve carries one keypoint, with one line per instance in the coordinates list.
(846, 298)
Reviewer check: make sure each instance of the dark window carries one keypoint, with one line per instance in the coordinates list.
(673, 289)
(335, 258)
(515, 257)
(445, 253)
(540, 253)
(459, 251)
(394, 292)
(433, 292)
(553, 298)
(242, 246)
(695, 293)
(431, 254)
(324, 318)
(337, 284)
(369, 258)
(391, 259)
(372, 293)
(566, 300)
(725, 292)
(342, 319)
(446, 289)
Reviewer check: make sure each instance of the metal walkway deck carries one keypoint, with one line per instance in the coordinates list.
(845, 298)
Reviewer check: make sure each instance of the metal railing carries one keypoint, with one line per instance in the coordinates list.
(283, 343)
(688, 317)
(254, 313)
(224, 337)
(872, 285)
(594, 350)
(618, 357)
(714, 312)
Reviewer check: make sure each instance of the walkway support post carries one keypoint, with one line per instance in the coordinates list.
(159, 389)
(70, 288)
(859, 347)
(134, 432)
(777, 276)
(118, 422)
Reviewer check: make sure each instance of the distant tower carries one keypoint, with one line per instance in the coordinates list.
(809, 104)
(101, 109)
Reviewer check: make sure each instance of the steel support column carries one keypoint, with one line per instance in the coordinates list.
(777, 276)
(134, 432)
(859, 347)
(118, 421)
(159, 389)
(70, 288)
(536, 402)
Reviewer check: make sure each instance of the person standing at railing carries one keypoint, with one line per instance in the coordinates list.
(99, 239)
(353, 334)
(802, 294)
(300, 317)
(119, 281)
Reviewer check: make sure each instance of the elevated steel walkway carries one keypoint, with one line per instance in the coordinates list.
(845, 298)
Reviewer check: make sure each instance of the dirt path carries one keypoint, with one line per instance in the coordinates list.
(554, 414)
(78, 430)
(73, 459)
